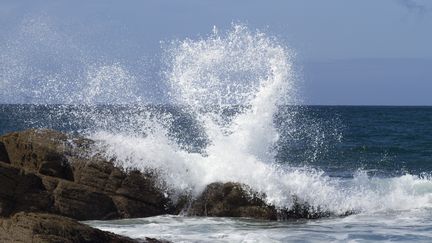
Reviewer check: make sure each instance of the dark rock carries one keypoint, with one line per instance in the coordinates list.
(302, 210)
(69, 180)
(82, 203)
(42, 151)
(135, 194)
(56, 169)
(48, 171)
(139, 188)
(4, 157)
(39, 227)
(238, 200)
(20, 190)
(231, 200)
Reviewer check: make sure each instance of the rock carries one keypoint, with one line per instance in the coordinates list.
(82, 203)
(137, 190)
(135, 194)
(42, 151)
(40, 227)
(21, 191)
(4, 157)
(238, 200)
(48, 171)
(231, 200)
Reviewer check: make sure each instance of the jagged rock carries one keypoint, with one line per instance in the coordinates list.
(40, 227)
(20, 190)
(238, 200)
(49, 171)
(231, 200)
(42, 151)
(79, 202)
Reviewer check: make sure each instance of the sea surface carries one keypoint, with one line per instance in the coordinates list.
(383, 154)
(341, 140)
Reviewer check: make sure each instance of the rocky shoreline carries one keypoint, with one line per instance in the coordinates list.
(49, 180)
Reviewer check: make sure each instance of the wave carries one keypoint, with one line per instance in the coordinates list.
(238, 68)
(256, 72)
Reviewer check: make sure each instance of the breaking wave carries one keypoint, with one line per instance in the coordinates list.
(231, 85)
(254, 73)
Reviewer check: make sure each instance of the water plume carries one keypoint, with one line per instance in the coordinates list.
(254, 74)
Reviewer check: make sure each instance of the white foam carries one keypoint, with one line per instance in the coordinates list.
(401, 226)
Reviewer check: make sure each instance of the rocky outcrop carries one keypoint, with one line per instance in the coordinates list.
(51, 172)
(238, 200)
(40, 227)
(48, 171)
(231, 200)
(47, 176)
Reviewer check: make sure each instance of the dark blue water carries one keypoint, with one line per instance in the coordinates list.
(340, 140)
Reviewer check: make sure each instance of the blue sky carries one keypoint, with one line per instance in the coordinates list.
(349, 52)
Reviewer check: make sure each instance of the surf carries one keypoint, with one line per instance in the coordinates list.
(253, 72)
(231, 86)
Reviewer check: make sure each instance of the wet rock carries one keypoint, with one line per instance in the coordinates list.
(139, 189)
(231, 200)
(52, 172)
(238, 200)
(134, 194)
(40, 227)
(56, 169)
(21, 190)
(4, 157)
(48, 171)
(82, 203)
(42, 151)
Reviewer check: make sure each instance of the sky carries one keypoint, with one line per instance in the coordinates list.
(348, 52)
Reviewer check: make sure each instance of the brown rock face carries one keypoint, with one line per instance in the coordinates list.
(40, 227)
(231, 200)
(238, 200)
(79, 202)
(20, 190)
(42, 151)
(47, 171)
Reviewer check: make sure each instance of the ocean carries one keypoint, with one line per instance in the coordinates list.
(341, 140)
(234, 113)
